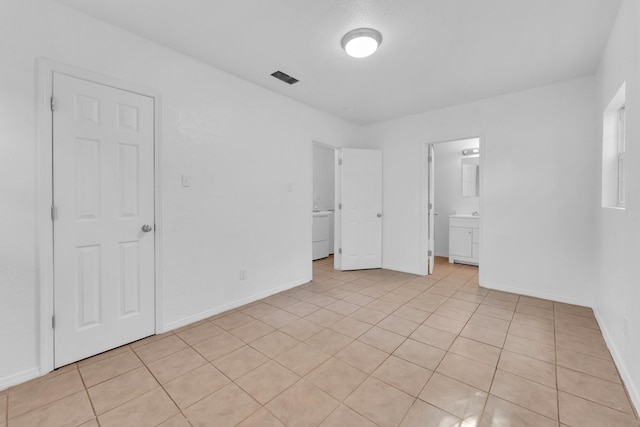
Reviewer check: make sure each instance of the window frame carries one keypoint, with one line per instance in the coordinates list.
(621, 153)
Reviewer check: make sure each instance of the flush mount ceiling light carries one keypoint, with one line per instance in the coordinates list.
(361, 42)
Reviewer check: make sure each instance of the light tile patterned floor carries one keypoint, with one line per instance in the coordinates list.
(362, 348)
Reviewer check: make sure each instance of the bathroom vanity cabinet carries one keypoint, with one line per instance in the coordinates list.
(464, 239)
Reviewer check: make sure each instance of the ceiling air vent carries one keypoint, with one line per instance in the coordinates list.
(284, 77)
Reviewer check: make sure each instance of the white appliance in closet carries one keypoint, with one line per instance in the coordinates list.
(322, 231)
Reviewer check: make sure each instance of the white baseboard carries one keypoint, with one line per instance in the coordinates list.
(533, 293)
(238, 303)
(622, 367)
(18, 378)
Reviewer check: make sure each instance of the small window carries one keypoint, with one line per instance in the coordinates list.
(621, 134)
(614, 152)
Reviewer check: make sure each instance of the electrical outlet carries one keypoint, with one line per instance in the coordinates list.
(242, 275)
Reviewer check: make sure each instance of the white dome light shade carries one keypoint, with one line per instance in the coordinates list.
(361, 42)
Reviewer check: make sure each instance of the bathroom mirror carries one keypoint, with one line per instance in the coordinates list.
(471, 176)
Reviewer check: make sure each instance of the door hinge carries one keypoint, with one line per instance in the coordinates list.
(53, 104)
(53, 321)
(430, 253)
(339, 205)
(340, 162)
(54, 213)
(430, 206)
(340, 250)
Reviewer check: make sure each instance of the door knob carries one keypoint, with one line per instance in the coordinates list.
(379, 215)
(147, 228)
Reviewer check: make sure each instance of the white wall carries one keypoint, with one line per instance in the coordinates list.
(242, 145)
(448, 198)
(617, 232)
(537, 195)
(233, 138)
(323, 177)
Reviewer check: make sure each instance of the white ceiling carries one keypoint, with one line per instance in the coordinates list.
(434, 53)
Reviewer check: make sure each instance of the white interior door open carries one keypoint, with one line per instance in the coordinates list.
(431, 209)
(103, 193)
(361, 213)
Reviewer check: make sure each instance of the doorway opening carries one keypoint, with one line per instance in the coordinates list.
(324, 202)
(348, 221)
(452, 190)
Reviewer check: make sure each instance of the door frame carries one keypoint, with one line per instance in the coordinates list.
(44, 196)
(337, 197)
(424, 187)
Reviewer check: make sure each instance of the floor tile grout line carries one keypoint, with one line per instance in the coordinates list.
(599, 403)
(86, 391)
(9, 418)
(160, 386)
(231, 381)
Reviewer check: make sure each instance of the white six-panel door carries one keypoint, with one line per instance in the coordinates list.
(361, 214)
(103, 193)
